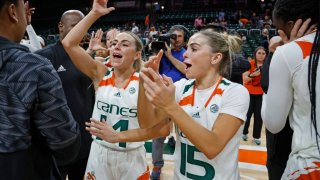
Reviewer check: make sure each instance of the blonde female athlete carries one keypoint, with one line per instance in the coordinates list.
(116, 101)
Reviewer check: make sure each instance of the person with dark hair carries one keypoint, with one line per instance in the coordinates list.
(115, 108)
(294, 86)
(251, 80)
(37, 129)
(78, 89)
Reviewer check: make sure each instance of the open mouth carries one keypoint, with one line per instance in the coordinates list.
(187, 64)
(116, 55)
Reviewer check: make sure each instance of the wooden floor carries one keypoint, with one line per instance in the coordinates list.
(245, 173)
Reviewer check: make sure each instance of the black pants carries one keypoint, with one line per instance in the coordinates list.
(278, 150)
(254, 108)
(75, 171)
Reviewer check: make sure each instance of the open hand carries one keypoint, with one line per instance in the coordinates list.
(100, 7)
(95, 41)
(102, 130)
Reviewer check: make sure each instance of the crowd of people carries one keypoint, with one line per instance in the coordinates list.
(76, 111)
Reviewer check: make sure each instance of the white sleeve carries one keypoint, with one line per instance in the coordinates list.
(235, 101)
(277, 103)
(34, 41)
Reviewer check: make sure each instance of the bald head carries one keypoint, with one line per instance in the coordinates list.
(68, 20)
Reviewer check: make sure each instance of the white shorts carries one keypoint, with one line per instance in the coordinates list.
(107, 164)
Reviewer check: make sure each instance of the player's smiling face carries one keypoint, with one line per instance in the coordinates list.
(123, 51)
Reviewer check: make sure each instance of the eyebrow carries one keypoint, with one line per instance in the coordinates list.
(122, 41)
(194, 44)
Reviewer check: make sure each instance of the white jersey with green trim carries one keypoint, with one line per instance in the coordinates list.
(229, 98)
(118, 107)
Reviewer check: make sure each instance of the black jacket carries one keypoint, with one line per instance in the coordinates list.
(36, 125)
(78, 89)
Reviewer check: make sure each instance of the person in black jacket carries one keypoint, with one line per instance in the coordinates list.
(78, 89)
(37, 129)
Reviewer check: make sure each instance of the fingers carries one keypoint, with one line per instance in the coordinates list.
(159, 56)
(295, 28)
(312, 28)
(99, 34)
(168, 81)
(283, 36)
(301, 29)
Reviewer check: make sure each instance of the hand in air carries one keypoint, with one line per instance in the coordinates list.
(100, 7)
(102, 130)
(29, 12)
(95, 41)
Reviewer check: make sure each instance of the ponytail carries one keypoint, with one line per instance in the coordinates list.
(234, 45)
(312, 76)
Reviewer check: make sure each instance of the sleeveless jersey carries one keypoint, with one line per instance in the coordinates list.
(118, 107)
(190, 163)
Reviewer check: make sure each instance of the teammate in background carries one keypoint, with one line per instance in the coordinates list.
(294, 86)
(200, 107)
(78, 89)
(37, 129)
(251, 80)
(116, 102)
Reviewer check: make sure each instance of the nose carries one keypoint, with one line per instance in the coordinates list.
(185, 55)
(117, 46)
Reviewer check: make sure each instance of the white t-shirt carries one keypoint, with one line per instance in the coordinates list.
(231, 98)
(288, 94)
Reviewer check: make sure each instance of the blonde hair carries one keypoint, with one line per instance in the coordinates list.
(139, 47)
(225, 44)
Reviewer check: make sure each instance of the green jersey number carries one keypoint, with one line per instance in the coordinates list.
(187, 156)
(122, 124)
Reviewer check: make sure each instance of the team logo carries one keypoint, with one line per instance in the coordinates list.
(196, 115)
(117, 94)
(214, 108)
(132, 90)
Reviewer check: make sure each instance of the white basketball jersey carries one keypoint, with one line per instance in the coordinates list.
(118, 107)
(190, 163)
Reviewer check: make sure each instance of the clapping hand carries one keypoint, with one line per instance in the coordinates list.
(154, 62)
